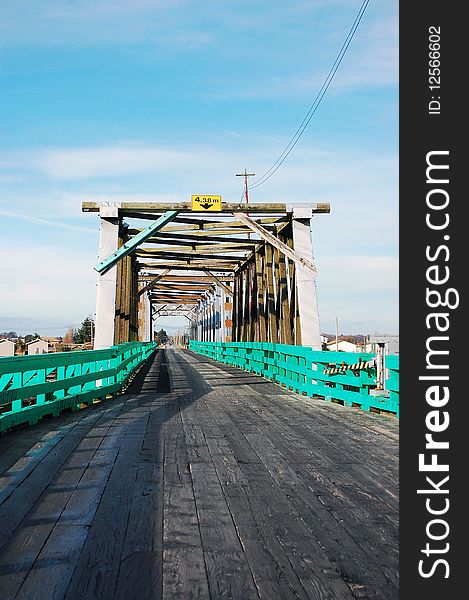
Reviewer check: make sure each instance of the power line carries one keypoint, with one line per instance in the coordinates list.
(317, 101)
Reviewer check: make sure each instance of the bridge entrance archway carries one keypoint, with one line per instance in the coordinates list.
(237, 274)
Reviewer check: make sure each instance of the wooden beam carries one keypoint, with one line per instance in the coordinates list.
(220, 283)
(194, 249)
(271, 313)
(208, 227)
(261, 321)
(227, 207)
(157, 207)
(282, 302)
(187, 238)
(194, 279)
(193, 266)
(151, 283)
(190, 257)
(168, 285)
(276, 243)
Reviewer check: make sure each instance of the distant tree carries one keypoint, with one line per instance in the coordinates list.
(8, 335)
(68, 337)
(31, 337)
(161, 337)
(84, 333)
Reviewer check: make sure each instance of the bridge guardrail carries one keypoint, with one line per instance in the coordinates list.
(32, 387)
(341, 376)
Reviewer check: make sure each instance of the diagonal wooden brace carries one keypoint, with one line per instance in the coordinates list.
(224, 287)
(273, 241)
(153, 282)
(130, 246)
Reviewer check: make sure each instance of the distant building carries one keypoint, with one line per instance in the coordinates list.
(342, 346)
(7, 348)
(37, 347)
(53, 342)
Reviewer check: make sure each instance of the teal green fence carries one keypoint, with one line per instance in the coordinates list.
(392, 383)
(347, 377)
(32, 387)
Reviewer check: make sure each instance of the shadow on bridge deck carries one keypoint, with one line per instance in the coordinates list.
(201, 482)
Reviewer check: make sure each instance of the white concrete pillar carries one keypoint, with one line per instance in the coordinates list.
(106, 286)
(305, 281)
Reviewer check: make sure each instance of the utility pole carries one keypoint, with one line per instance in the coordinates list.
(91, 330)
(245, 175)
(336, 334)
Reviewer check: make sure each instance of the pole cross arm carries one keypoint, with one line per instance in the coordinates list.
(130, 246)
(273, 241)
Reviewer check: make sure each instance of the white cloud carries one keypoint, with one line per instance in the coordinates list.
(366, 274)
(110, 161)
(362, 291)
(57, 283)
(45, 222)
(361, 188)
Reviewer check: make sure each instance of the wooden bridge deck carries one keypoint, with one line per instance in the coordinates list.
(201, 482)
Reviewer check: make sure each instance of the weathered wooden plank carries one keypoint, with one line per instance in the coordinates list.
(327, 509)
(22, 549)
(24, 496)
(227, 567)
(98, 566)
(291, 482)
(55, 564)
(140, 573)
(184, 574)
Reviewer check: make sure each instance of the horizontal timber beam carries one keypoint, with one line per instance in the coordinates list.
(156, 207)
(176, 279)
(189, 267)
(227, 207)
(195, 249)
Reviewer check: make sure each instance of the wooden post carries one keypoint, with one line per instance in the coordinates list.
(261, 321)
(235, 309)
(283, 303)
(294, 316)
(271, 315)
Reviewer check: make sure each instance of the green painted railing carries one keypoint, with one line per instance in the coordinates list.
(341, 376)
(32, 387)
(392, 383)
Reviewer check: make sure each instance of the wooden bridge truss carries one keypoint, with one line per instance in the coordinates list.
(234, 276)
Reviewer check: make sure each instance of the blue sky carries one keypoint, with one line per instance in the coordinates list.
(157, 100)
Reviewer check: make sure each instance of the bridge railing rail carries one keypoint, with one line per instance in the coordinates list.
(347, 377)
(32, 387)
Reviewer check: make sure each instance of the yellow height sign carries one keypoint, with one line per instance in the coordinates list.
(205, 203)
